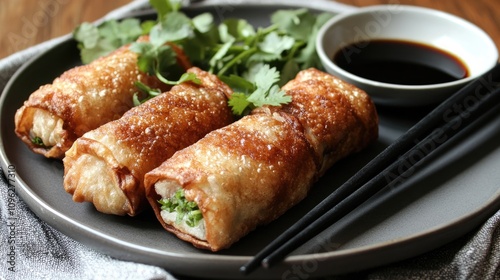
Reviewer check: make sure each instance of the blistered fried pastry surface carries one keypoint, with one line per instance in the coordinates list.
(106, 165)
(338, 117)
(82, 98)
(251, 172)
(243, 175)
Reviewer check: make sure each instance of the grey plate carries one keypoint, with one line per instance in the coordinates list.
(439, 203)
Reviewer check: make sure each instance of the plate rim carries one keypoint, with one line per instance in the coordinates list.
(42, 209)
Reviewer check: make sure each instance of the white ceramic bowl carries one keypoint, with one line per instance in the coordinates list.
(431, 27)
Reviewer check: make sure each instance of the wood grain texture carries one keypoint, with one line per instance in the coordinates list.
(24, 23)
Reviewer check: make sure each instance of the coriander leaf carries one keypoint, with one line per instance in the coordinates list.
(245, 29)
(289, 71)
(129, 30)
(224, 35)
(266, 77)
(286, 18)
(146, 60)
(189, 77)
(96, 41)
(156, 61)
(164, 7)
(276, 44)
(89, 42)
(146, 26)
(203, 23)
(176, 26)
(120, 32)
(295, 23)
(273, 96)
(87, 34)
(238, 29)
(253, 70)
(266, 91)
(239, 103)
(165, 59)
(272, 48)
(102, 48)
(238, 84)
(196, 49)
(157, 57)
(308, 56)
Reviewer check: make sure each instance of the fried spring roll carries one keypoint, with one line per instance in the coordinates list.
(249, 173)
(81, 99)
(106, 166)
(240, 176)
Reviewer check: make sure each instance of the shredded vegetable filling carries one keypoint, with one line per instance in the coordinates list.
(177, 209)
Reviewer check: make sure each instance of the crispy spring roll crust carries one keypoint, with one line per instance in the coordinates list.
(251, 172)
(339, 118)
(81, 99)
(241, 176)
(106, 165)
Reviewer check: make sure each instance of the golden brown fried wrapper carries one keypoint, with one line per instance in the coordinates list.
(252, 171)
(81, 99)
(338, 117)
(241, 176)
(106, 166)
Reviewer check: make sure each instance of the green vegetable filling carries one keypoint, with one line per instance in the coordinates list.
(186, 210)
(37, 141)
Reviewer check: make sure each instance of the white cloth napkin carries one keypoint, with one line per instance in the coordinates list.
(41, 252)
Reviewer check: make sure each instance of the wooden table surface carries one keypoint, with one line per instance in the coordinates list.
(24, 23)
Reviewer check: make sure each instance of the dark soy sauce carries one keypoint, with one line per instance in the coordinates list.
(400, 62)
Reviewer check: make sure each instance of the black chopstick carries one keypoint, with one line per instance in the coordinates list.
(369, 189)
(477, 97)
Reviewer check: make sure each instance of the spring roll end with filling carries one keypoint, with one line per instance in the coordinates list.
(81, 99)
(106, 166)
(93, 174)
(239, 177)
(249, 173)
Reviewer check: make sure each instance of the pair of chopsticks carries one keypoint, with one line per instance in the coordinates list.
(470, 106)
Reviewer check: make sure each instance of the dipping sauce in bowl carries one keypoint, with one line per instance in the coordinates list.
(404, 56)
(400, 62)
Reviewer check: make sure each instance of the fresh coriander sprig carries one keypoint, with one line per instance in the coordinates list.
(264, 90)
(286, 47)
(148, 91)
(151, 93)
(303, 26)
(96, 41)
(232, 50)
(156, 56)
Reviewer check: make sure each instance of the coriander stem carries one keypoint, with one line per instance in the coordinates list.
(235, 60)
(163, 79)
(294, 49)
